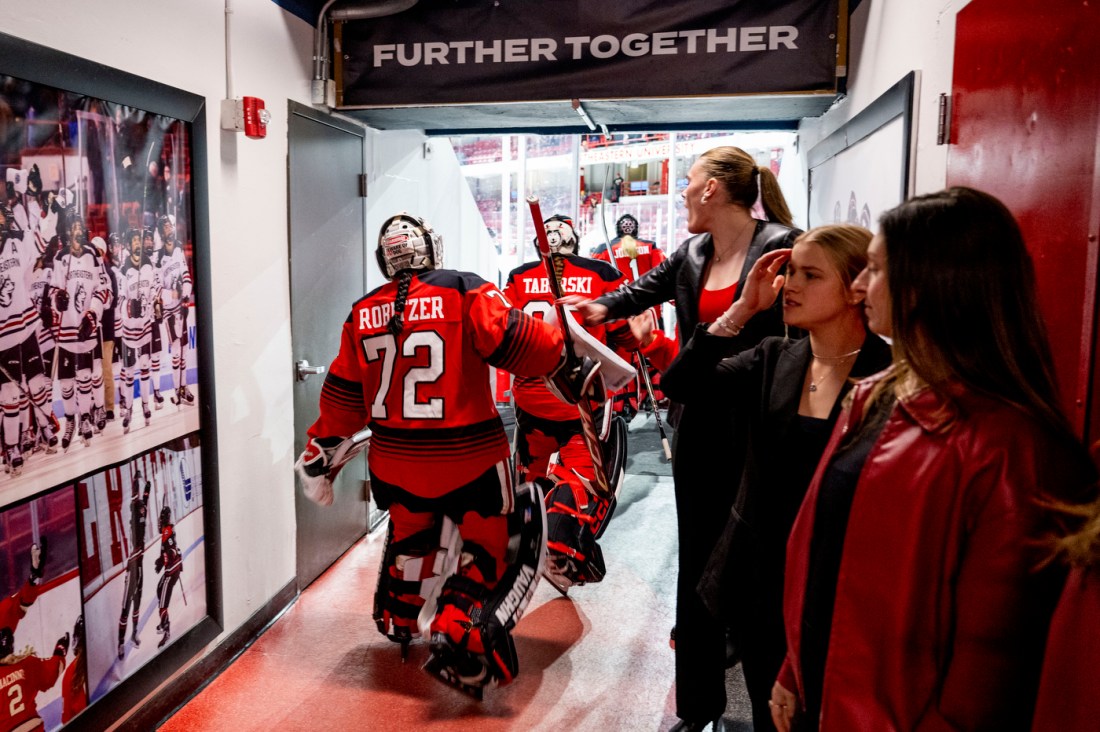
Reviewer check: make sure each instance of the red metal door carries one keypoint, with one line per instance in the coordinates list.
(1025, 124)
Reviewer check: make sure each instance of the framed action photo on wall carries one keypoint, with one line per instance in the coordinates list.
(107, 440)
(865, 167)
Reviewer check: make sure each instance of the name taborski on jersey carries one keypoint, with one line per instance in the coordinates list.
(569, 286)
(417, 309)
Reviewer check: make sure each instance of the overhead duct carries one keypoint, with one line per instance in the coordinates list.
(323, 90)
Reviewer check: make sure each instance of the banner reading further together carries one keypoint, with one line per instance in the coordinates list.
(484, 52)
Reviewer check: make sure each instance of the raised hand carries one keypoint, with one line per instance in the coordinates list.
(764, 282)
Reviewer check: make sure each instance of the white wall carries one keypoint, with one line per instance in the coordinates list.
(430, 185)
(181, 43)
(890, 38)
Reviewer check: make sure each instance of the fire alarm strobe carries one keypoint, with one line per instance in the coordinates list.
(246, 115)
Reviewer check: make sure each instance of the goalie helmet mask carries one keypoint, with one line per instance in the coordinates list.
(627, 225)
(561, 234)
(165, 517)
(408, 242)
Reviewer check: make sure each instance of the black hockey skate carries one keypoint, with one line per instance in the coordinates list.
(158, 399)
(145, 411)
(100, 419)
(86, 428)
(134, 637)
(15, 460)
(127, 413)
(164, 638)
(70, 429)
(121, 651)
(183, 397)
(457, 668)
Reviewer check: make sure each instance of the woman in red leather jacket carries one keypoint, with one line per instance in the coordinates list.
(916, 595)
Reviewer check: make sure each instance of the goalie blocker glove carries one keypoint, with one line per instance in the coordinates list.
(575, 379)
(314, 468)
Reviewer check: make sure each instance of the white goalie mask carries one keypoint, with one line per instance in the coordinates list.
(560, 234)
(408, 242)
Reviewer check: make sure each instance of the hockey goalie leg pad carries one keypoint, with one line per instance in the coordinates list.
(471, 633)
(574, 518)
(405, 579)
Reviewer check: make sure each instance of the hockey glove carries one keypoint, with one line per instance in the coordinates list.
(575, 379)
(314, 468)
(62, 647)
(87, 327)
(45, 311)
(158, 310)
(134, 307)
(61, 299)
(38, 560)
(159, 564)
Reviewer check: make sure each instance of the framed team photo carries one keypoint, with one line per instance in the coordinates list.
(106, 370)
(97, 309)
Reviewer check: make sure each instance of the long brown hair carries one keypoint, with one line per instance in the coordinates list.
(743, 179)
(964, 306)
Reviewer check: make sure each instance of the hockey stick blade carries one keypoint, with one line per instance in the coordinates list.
(584, 407)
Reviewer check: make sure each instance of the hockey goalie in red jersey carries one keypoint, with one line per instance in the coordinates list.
(546, 426)
(414, 365)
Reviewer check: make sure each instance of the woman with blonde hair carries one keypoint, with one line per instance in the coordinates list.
(704, 276)
(915, 592)
(788, 394)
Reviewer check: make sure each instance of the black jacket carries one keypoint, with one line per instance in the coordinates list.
(680, 278)
(763, 386)
(707, 452)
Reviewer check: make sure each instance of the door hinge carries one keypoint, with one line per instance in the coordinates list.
(943, 125)
(362, 185)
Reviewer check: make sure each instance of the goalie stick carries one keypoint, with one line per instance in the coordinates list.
(584, 406)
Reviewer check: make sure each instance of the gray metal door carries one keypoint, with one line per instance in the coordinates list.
(327, 275)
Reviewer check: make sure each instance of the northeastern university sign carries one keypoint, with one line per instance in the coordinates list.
(484, 51)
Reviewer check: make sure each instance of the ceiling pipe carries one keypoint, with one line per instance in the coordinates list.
(322, 90)
(579, 109)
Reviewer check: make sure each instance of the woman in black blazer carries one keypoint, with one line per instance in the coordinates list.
(787, 396)
(704, 276)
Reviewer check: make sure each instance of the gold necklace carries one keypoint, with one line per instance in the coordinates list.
(717, 256)
(830, 367)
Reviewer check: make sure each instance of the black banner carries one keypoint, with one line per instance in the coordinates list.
(479, 51)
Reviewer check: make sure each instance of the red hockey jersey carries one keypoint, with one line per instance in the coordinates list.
(20, 682)
(529, 290)
(425, 392)
(646, 257)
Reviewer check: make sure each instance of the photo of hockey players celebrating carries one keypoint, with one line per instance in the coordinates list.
(465, 545)
(144, 578)
(39, 603)
(93, 328)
